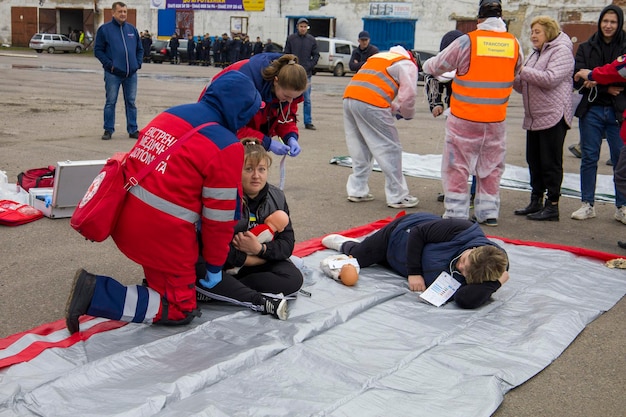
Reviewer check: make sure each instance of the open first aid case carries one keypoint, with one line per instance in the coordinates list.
(71, 180)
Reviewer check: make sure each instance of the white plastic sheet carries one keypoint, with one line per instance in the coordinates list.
(514, 177)
(367, 350)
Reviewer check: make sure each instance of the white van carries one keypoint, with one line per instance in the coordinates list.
(52, 42)
(334, 55)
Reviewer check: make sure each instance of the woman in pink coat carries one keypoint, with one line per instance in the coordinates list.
(545, 83)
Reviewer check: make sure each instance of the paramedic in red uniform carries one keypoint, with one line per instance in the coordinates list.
(486, 61)
(197, 189)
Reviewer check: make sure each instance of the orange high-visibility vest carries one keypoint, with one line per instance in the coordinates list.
(482, 94)
(372, 84)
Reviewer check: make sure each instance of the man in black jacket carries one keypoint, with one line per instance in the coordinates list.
(364, 51)
(174, 45)
(304, 46)
(191, 50)
(600, 110)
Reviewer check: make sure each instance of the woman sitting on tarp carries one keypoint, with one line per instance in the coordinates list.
(258, 262)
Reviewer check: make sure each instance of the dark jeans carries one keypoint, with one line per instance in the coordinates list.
(372, 250)
(544, 154)
(597, 122)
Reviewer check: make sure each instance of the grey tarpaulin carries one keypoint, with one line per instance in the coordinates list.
(368, 350)
(514, 177)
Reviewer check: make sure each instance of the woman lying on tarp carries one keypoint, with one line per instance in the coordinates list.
(420, 246)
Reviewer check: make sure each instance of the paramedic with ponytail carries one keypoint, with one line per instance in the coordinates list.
(281, 81)
(486, 61)
(199, 183)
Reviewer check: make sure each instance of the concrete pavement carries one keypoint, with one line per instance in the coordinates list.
(52, 111)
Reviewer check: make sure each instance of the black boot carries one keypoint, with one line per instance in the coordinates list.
(79, 299)
(534, 206)
(550, 212)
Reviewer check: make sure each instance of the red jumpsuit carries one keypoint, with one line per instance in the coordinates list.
(199, 184)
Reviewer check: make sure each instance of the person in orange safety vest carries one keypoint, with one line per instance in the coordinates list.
(486, 62)
(385, 87)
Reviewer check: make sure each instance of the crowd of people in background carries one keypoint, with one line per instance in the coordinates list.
(206, 50)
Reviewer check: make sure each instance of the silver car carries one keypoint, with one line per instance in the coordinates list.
(52, 42)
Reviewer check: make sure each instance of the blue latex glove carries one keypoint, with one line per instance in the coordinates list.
(294, 147)
(211, 279)
(279, 148)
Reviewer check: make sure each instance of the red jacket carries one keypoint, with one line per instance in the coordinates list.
(157, 226)
(614, 72)
(197, 184)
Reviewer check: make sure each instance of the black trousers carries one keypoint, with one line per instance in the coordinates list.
(544, 154)
(373, 249)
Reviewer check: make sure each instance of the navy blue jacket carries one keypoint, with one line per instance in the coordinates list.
(436, 256)
(305, 48)
(119, 48)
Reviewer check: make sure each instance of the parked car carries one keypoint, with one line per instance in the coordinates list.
(334, 55)
(274, 47)
(155, 51)
(52, 42)
(161, 51)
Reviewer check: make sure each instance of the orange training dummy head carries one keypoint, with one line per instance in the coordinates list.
(342, 268)
(348, 275)
(277, 221)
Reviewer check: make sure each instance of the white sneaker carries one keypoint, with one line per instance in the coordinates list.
(586, 211)
(355, 199)
(408, 201)
(334, 241)
(620, 214)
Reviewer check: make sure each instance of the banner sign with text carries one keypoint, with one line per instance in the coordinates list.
(234, 5)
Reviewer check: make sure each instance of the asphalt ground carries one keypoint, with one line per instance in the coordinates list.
(52, 111)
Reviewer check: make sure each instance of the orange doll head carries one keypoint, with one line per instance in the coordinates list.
(277, 221)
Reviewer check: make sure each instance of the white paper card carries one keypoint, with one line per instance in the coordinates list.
(441, 290)
(338, 263)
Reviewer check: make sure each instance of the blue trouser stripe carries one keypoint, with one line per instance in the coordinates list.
(108, 299)
(115, 301)
(141, 304)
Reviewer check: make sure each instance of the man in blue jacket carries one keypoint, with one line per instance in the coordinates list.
(118, 47)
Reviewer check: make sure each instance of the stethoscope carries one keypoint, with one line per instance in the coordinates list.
(452, 266)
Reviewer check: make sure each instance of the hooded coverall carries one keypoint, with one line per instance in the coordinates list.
(475, 141)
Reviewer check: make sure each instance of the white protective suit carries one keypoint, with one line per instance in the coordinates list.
(471, 148)
(371, 133)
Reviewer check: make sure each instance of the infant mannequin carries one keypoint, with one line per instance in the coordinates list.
(274, 223)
